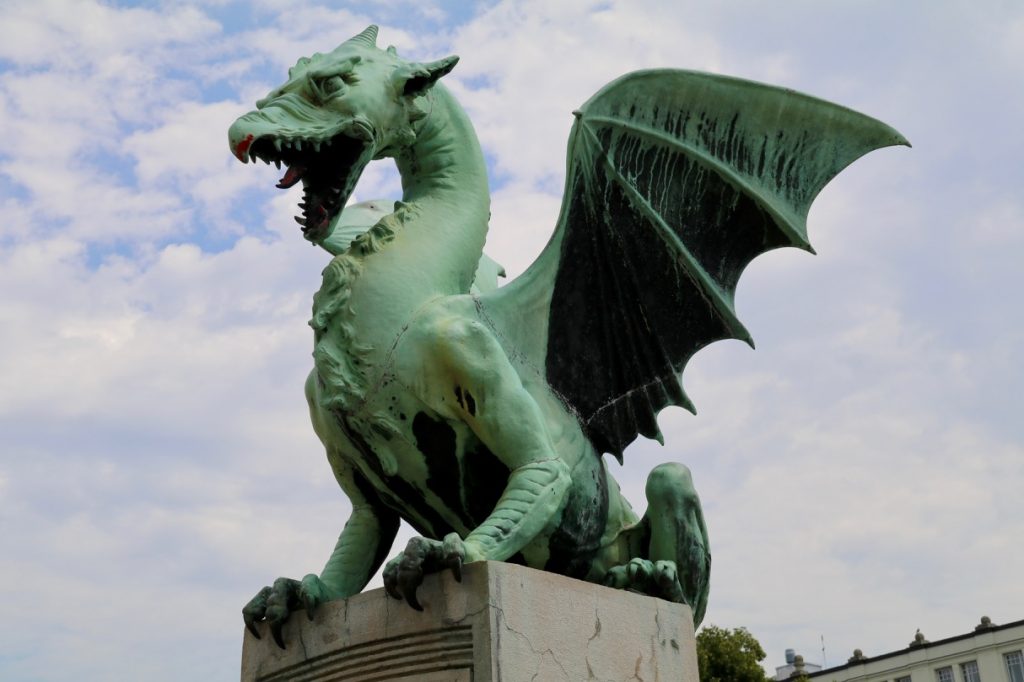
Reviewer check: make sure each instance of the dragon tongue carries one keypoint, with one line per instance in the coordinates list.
(293, 175)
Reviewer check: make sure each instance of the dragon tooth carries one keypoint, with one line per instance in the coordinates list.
(298, 145)
(300, 221)
(292, 177)
(316, 146)
(277, 162)
(277, 144)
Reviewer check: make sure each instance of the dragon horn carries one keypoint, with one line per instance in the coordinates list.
(368, 37)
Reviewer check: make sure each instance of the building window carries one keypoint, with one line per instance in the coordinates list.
(902, 679)
(1015, 666)
(944, 674)
(969, 671)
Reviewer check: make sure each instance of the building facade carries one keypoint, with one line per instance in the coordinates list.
(795, 666)
(991, 653)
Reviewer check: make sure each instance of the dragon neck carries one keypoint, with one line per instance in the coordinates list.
(444, 187)
(430, 246)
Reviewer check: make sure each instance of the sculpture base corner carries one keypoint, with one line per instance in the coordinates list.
(502, 623)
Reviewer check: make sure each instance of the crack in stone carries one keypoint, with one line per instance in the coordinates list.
(553, 658)
(636, 669)
(302, 642)
(597, 629)
(539, 653)
(597, 633)
(460, 620)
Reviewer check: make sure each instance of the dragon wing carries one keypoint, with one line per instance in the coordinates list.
(675, 181)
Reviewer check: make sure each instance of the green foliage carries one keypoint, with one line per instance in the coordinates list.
(729, 655)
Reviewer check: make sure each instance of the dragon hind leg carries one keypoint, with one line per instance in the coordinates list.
(675, 560)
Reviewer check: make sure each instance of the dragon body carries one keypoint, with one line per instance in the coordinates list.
(480, 414)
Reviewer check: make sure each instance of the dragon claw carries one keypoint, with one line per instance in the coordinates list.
(277, 615)
(654, 578)
(275, 629)
(411, 600)
(454, 554)
(403, 575)
(409, 580)
(391, 587)
(275, 604)
(666, 576)
(250, 624)
(254, 611)
(410, 571)
(638, 571)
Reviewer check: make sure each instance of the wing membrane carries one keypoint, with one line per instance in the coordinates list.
(675, 181)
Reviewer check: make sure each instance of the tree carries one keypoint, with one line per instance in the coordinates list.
(729, 655)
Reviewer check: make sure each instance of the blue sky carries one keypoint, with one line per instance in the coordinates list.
(861, 471)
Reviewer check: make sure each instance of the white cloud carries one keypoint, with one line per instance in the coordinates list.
(188, 146)
(45, 32)
(523, 72)
(64, 121)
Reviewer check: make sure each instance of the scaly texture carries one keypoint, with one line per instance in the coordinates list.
(477, 414)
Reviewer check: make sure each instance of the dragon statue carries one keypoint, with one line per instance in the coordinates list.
(479, 414)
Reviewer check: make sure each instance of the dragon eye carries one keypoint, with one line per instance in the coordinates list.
(325, 84)
(327, 87)
(332, 85)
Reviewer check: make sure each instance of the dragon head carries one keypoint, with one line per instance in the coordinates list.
(335, 113)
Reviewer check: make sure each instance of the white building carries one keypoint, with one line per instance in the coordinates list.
(795, 666)
(991, 653)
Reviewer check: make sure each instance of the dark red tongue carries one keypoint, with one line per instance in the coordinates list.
(293, 175)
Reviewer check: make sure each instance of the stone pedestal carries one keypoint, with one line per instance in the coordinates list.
(502, 623)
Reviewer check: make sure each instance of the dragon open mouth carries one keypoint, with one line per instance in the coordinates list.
(328, 168)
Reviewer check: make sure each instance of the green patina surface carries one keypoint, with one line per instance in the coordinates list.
(480, 414)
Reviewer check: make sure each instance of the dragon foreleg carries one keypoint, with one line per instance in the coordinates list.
(535, 493)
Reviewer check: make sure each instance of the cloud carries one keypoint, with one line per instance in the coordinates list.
(522, 74)
(44, 33)
(187, 149)
(76, 85)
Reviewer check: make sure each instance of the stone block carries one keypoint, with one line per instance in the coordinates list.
(502, 623)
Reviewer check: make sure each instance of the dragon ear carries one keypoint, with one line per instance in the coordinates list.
(416, 79)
